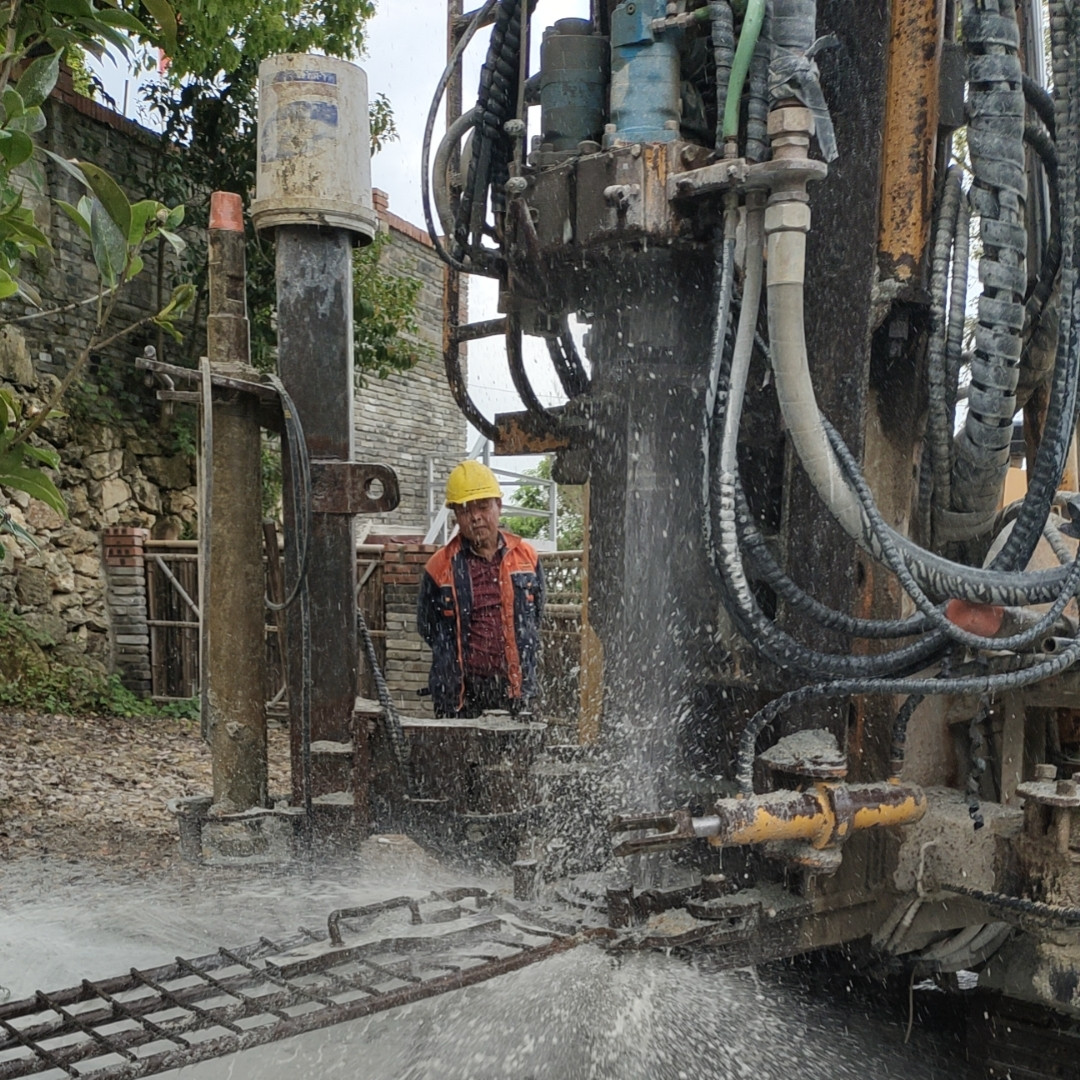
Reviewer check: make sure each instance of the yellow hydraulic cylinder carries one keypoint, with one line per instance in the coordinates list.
(824, 815)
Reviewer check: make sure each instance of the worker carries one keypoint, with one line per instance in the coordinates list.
(481, 598)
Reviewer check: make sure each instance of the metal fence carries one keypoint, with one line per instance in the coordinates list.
(172, 586)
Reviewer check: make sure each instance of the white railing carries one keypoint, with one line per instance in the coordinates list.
(441, 524)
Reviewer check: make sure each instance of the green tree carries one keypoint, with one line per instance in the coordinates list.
(35, 36)
(208, 108)
(569, 501)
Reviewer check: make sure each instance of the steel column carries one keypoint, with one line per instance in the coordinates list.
(232, 609)
(315, 360)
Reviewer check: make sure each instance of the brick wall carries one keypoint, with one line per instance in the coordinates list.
(408, 658)
(407, 420)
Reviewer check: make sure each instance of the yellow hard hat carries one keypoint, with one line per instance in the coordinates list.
(469, 481)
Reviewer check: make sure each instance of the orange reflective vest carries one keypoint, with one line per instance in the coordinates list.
(444, 608)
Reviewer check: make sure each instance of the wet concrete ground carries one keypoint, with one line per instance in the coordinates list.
(582, 1014)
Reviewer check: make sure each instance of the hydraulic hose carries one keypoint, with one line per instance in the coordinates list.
(895, 562)
(516, 362)
(1029, 670)
(998, 192)
(450, 141)
(566, 361)
(496, 103)
(748, 39)
(757, 96)
(739, 601)
(429, 128)
(939, 414)
(722, 25)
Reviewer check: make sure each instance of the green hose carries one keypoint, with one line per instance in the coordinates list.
(748, 36)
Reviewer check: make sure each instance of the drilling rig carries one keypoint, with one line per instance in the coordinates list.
(826, 412)
(825, 406)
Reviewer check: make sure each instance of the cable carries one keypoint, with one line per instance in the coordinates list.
(395, 733)
(567, 362)
(894, 560)
(429, 128)
(546, 421)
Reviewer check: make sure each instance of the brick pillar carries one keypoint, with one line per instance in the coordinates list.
(408, 658)
(126, 594)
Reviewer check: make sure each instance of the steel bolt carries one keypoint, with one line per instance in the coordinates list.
(516, 185)
(631, 8)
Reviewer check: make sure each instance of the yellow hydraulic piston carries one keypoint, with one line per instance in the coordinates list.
(823, 816)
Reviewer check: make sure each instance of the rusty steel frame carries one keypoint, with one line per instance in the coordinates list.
(267, 991)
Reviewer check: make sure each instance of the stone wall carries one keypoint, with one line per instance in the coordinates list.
(114, 472)
(407, 421)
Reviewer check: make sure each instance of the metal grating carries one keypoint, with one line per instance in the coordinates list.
(369, 959)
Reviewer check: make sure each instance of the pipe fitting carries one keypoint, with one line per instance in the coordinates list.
(787, 216)
(790, 120)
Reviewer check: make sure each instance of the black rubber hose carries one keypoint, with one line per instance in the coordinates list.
(1051, 257)
(757, 92)
(722, 27)
(1042, 104)
(1045, 474)
(723, 397)
(937, 449)
(764, 568)
(429, 128)
(895, 562)
(1029, 670)
(545, 420)
(495, 104)
(995, 107)
(566, 361)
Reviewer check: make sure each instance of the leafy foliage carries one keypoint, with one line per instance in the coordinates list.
(37, 34)
(385, 306)
(569, 503)
(32, 679)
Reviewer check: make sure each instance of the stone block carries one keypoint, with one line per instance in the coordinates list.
(104, 464)
(53, 626)
(146, 494)
(113, 493)
(15, 363)
(173, 473)
(42, 517)
(33, 587)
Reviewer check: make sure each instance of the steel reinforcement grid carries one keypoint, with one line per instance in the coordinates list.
(367, 960)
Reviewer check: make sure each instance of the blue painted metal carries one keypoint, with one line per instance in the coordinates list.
(573, 84)
(645, 87)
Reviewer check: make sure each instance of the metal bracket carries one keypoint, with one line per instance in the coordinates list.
(353, 487)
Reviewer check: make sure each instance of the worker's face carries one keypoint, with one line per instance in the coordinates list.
(479, 522)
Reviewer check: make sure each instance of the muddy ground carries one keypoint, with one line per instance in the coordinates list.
(96, 786)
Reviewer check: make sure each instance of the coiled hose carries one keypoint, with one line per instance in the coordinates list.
(495, 104)
(998, 192)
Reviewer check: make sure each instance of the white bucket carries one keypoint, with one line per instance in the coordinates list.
(314, 165)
